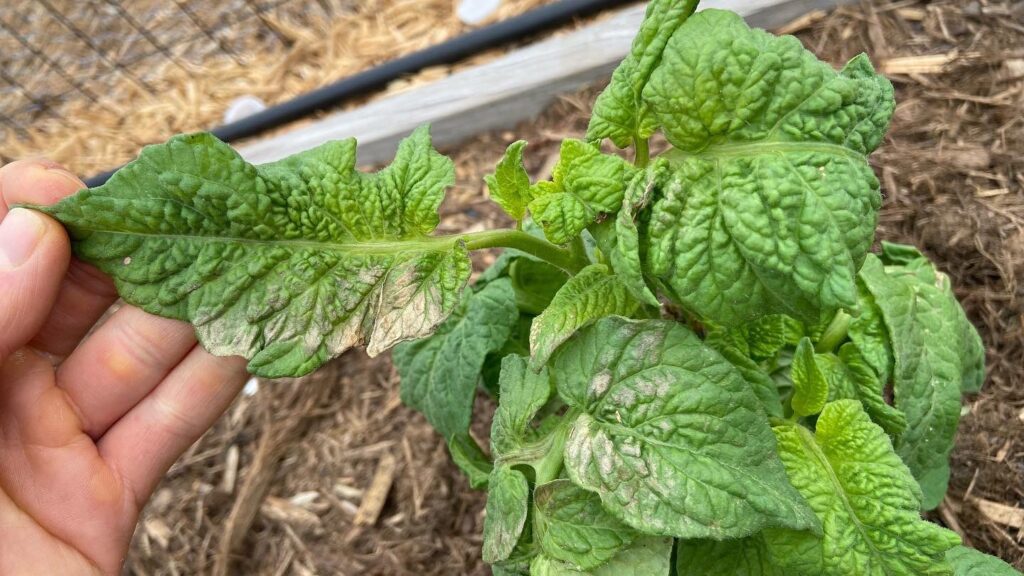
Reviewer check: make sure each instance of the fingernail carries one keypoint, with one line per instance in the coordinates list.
(20, 233)
(57, 170)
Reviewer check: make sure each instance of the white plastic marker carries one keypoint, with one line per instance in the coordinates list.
(473, 12)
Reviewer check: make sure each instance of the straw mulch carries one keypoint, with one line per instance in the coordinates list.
(291, 49)
(290, 481)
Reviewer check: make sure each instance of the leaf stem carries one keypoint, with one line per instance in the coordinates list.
(642, 153)
(524, 242)
(579, 252)
(834, 334)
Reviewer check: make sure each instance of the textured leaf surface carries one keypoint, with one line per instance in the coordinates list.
(870, 335)
(592, 294)
(810, 388)
(287, 264)
(850, 377)
(760, 382)
(585, 184)
(440, 373)
(508, 496)
(866, 499)
(523, 393)
(510, 184)
(672, 438)
(619, 112)
(969, 562)
(468, 456)
(778, 200)
(620, 239)
(740, 557)
(926, 329)
(572, 526)
(646, 557)
(535, 282)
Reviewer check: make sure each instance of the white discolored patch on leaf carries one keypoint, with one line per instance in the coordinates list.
(287, 264)
(675, 442)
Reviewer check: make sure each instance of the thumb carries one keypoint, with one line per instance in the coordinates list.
(34, 255)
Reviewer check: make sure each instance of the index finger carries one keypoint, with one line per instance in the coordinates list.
(84, 293)
(35, 182)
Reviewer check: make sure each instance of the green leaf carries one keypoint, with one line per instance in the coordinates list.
(926, 328)
(535, 282)
(508, 497)
(969, 562)
(619, 113)
(592, 294)
(760, 381)
(740, 557)
(439, 374)
(869, 333)
(468, 456)
(510, 184)
(850, 377)
(973, 351)
(864, 495)
(518, 343)
(776, 206)
(649, 556)
(571, 526)
(810, 388)
(523, 394)
(623, 246)
(671, 437)
(585, 184)
(288, 264)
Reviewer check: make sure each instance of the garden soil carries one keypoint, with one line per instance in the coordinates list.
(331, 474)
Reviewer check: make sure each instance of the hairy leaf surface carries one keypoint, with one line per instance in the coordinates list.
(671, 437)
(850, 377)
(592, 294)
(288, 264)
(868, 332)
(439, 374)
(969, 562)
(810, 388)
(930, 344)
(777, 205)
(523, 393)
(619, 112)
(572, 526)
(508, 495)
(620, 239)
(760, 382)
(650, 556)
(866, 499)
(585, 184)
(510, 184)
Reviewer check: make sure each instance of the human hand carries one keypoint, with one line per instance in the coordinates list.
(88, 425)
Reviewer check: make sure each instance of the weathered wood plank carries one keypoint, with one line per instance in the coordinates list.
(503, 92)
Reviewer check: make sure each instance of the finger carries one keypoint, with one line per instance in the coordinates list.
(142, 446)
(34, 255)
(120, 363)
(85, 293)
(51, 470)
(35, 182)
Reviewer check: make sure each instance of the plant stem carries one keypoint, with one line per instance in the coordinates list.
(524, 242)
(642, 154)
(579, 252)
(834, 334)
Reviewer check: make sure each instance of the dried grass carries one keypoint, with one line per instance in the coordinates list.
(312, 49)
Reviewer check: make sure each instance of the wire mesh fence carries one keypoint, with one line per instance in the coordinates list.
(53, 51)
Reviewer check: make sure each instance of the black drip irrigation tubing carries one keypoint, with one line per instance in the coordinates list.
(458, 48)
